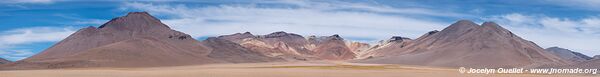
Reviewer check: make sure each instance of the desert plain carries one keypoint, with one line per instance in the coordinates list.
(272, 69)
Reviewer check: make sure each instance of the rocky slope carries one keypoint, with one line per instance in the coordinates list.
(358, 48)
(384, 46)
(228, 51)
(333, 48)
(568, 54)
(4, 61)
(292, 46)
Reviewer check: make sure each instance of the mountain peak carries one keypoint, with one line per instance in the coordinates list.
(456, 30)
(335, 37)
(278, 33)
(461, 25)
(281, 34)
(237, 37)
(398, 38)
(491, 25)
(135, 20)
(247, 33)
(464, 23)
(138, 13)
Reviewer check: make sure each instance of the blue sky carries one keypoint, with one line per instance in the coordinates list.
(30, 26)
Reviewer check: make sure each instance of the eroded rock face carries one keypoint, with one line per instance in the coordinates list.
(358, 47)
(466, 44)
(333, 48)
(384, 47)
(237, 37)
(228, 51)
(292, 46)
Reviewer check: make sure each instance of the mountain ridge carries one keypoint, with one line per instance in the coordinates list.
(140, 40)
(466, 44)
(4, 61)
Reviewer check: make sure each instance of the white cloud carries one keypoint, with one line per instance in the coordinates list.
(582, 35)
(12, 39)
(310, 18)
(370, 7)
(35, 34)
(90, 22)
(15, 54)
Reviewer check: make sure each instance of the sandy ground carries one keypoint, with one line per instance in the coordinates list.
(288, 69)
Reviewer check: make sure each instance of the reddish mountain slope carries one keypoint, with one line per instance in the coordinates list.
(293, 46)
(232, 52)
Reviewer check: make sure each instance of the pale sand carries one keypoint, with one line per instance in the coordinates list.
(291, 69)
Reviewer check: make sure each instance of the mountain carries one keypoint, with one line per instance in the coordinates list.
(333, 48)
(590, 64)
(290, 46)
(237, 37)
(4, 61)
(283, 45)
(358, 48)
(466, 44)
(135, 40)
(226, 50)
(384, 46)
(568, 54)
(596, 57)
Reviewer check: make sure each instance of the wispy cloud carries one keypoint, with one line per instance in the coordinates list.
(15, 54)
(11, 40)
(307, 18)
(577, 4)
(372, 6)
(582, 35)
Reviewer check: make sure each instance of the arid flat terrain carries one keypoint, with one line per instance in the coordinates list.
(287, 69)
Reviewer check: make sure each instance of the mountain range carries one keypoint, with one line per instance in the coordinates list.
(141, 40)
(466, 44)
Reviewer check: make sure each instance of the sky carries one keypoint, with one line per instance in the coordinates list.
(27, 27)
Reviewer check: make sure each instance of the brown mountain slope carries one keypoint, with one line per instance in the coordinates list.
(237, 37)
(284, 45)
(135, 40)
(590, 64)
(333, 48)
(4, 61)
(567, 54)
(466, 44)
